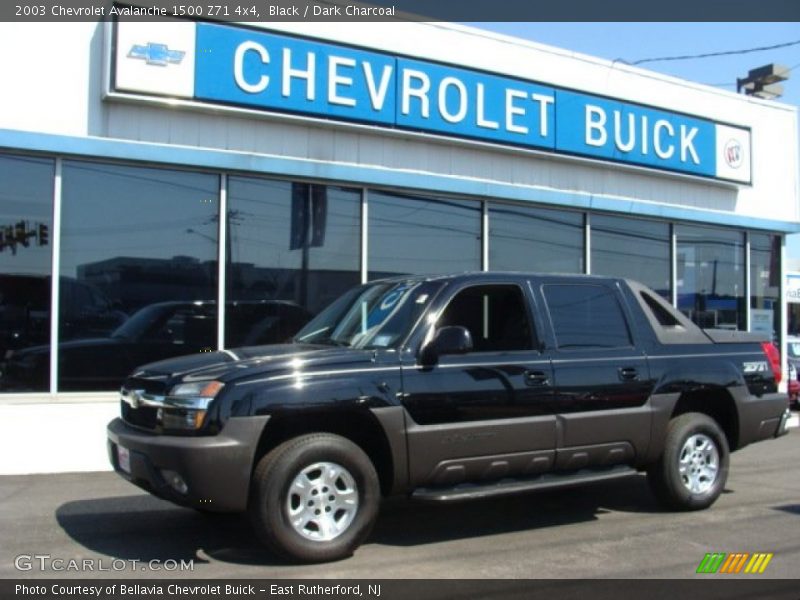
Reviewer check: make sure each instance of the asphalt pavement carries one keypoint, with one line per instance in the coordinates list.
(98, 525)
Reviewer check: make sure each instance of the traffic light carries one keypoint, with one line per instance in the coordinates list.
(21, 233)
(43, 234)
(7, 237)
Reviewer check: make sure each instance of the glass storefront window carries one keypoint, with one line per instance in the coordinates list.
(633, 248)
(711, 276)
(765, 279)
(523, 238)
(138, 270)
(292, 249)
(26, 214)
(413, 235)
(138, 255)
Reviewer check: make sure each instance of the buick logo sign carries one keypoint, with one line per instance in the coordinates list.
(733, 153)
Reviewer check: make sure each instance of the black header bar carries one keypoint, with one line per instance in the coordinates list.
(393, 10)
(708, 588)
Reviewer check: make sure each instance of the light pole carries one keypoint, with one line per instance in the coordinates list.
(763, 82)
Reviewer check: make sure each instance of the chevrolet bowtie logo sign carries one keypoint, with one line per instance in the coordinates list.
(156, 54)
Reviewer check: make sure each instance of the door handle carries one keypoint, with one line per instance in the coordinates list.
(628, 373)
(536, 378)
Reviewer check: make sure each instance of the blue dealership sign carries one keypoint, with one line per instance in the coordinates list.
(619, 131)
(278, 73)
(472, 104)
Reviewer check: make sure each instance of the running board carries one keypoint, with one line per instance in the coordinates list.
(473, 491)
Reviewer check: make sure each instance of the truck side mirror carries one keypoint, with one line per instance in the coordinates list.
(453, 339)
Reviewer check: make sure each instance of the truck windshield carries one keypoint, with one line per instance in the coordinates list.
(376, 315)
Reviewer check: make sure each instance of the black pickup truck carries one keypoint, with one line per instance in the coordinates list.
(448, 388)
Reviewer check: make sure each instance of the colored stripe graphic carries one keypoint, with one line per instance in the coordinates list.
(759, 562)
(733, 563)
(711, 562)
(741, 562)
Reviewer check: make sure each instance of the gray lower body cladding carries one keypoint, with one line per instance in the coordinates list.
(760, 417)
(217, 469)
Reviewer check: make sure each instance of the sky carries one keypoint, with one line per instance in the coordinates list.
(637, 41)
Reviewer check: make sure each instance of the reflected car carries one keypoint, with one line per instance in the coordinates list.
(155, 332)
(25, 310)
(793, 358)
(793, 350)
(793, 387)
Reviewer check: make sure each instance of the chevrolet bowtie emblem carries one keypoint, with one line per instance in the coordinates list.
(156, 54)
(132, 398)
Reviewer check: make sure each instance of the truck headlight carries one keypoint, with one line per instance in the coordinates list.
(186, 405)
(197, 389)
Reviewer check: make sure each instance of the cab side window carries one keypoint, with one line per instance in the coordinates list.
(495, 315)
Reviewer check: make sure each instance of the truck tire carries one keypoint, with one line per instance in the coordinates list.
(314, 498)
(693, 469)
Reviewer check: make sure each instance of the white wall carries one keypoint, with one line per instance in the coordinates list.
(46, 68)
(56, 437)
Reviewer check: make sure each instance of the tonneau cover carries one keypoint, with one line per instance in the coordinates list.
(729, 336)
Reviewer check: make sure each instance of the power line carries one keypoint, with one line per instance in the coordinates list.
(711, 54)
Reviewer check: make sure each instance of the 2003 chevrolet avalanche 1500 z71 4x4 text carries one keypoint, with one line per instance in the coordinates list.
(448, 388)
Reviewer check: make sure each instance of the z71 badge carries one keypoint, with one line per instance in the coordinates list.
(755, 367)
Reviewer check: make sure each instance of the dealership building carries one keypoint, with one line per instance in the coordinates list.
(180, 187)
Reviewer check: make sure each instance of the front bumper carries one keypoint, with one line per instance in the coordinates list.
(216, 469)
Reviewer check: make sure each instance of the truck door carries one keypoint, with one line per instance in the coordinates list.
(486, 413)
(602, 380)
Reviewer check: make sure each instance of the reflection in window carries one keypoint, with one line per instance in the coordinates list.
(530, 239)
(26, 209)
(711, 277)
(765, 279)
(293, 249)
(411, 235)
(632, 248)
(138, 270)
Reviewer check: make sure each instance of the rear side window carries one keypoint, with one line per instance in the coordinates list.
(662, 315)
(586, 316)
